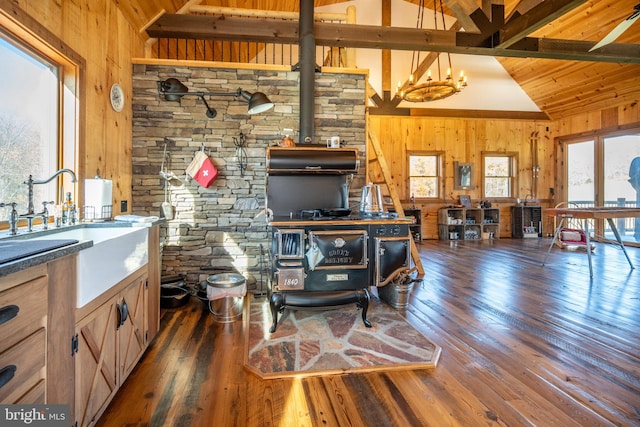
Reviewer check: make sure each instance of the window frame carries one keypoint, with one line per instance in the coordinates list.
(513, 173)
(439, 173)
(38, 41)
(598, 137)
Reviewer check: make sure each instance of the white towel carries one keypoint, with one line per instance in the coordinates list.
(136, 218)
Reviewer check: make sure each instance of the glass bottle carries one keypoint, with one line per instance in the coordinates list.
(68, 211)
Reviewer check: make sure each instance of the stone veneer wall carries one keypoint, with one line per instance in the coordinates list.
(222, 228)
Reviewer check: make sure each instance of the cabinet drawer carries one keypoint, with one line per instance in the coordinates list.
(23, 310)
(22, 367)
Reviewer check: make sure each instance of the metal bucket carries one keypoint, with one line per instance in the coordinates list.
(229, 308)
(396, 295)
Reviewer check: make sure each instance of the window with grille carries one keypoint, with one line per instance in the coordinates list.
(425, 175)
(498, 175)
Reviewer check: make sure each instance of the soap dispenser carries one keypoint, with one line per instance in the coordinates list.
(68, 211)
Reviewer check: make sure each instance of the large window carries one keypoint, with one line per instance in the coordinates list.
(498, 174)
(425, 172)
(34, 104)
(604, 170)
(581, 179)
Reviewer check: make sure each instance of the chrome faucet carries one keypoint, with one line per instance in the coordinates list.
(30, 214)
(13, 217)
(45, 214)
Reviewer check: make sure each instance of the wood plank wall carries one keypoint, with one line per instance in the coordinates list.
(611, 118)
(464, 140)
(98, 32)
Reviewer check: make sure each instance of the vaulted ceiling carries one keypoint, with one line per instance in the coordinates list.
(543, 45)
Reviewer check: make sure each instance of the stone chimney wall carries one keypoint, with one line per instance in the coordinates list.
(222, 228)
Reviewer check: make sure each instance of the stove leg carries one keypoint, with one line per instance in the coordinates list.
(276, 302)
(363, 303)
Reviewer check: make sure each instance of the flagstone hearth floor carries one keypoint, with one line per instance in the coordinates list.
(315, 342)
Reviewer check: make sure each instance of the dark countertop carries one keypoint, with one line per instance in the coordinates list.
(15, 249)
(41, 258)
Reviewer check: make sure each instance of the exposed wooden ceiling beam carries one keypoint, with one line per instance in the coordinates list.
(257, 13)
(376, 37)
(386, 53)
(463, 10)
(151, 41)
(571, 50)
(473, 19)
(494, 9)
(154, 19)
(541, 15)
(523, 7)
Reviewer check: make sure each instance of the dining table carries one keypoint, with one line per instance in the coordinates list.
(591, 213)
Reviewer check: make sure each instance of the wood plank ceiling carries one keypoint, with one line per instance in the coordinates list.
(559, 87)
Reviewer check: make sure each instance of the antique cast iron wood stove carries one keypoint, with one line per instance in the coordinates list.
(325, 256)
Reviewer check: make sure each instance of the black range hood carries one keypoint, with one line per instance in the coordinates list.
(312, 159)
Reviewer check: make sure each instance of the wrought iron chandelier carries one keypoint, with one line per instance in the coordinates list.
(431, 89)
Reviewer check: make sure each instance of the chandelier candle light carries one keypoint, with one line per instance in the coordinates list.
(431, 90)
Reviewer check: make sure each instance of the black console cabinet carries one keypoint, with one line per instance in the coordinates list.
(416, 227)
(526, 222)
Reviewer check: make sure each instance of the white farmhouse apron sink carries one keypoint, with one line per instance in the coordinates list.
(116, 253)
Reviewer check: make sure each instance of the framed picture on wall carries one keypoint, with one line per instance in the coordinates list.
(465, 200)
(463, 176)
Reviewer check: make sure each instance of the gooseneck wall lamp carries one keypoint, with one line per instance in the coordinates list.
(173, 90)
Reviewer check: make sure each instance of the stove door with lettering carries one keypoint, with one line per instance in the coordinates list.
(340, 249)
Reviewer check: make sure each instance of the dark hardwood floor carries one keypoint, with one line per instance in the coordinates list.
(522, 345)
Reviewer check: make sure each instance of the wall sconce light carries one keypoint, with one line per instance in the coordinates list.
(173, 90)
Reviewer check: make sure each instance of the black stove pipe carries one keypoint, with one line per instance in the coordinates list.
(307, 63)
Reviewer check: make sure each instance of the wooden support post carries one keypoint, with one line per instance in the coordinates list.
(393, 193)
(351, 52)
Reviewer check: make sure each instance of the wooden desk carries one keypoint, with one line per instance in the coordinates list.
(585, 214)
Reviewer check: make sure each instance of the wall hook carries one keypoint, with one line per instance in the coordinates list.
(241, 152)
